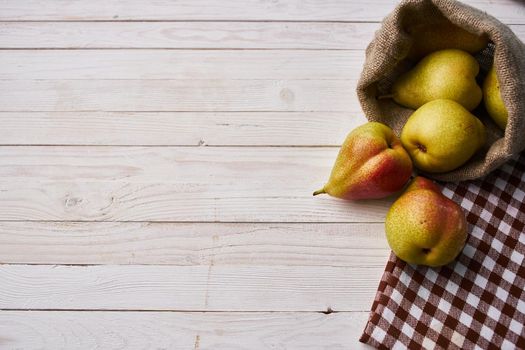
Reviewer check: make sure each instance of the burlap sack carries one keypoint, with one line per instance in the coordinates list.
(386, 59)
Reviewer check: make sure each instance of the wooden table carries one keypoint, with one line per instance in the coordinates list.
(157, 162)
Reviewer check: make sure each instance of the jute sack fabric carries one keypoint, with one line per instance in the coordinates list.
(386, 59)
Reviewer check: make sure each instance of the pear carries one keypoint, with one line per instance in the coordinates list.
(442, 135)
(371, 163)
(424, 227)
(445, 74)
(493, 101)
(443, 35)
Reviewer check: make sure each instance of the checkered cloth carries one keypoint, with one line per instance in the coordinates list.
(476, 302)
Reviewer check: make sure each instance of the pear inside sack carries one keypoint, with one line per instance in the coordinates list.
(451, 98)
(429, 50)
(444, 87)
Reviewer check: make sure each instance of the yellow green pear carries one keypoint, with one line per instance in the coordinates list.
(493, 101)
(442, 135)
(443, 35)
(371, 163)
(445, 74)
(424, 227)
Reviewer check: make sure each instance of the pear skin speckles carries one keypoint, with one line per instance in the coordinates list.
(445, 74)
(493, 101)
(424, 227)
(371, 163)
(449, 134)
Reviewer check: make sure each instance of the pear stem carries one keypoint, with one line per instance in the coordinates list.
(384, 97)
(321, 191)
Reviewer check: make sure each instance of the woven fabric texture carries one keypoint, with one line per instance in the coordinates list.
(477, 301)
(386, 59)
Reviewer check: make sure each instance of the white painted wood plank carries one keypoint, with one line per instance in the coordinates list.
(186, 35)
(295, 10)
(178, 128)
(178, 95)
(176, 165)
(102, 201)
(263, 184)
(191, 35)
(160, 128)
(120, 201)
(181, 64)
(180, 330)
(185, 244)
(188, 288)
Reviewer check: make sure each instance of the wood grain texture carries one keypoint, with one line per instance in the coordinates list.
(263, 184)
(180, 330)
(178, 128)
(174, 247)
(143, 128)
(181, 64)
(81, 201)
(178, 95)
(289, 10)
(120, 201)
(236, 166)
(185, 35)
(185, 244)
(191, 35)
(188, 288)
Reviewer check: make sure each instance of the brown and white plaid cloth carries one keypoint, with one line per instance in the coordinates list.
(476, 302)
